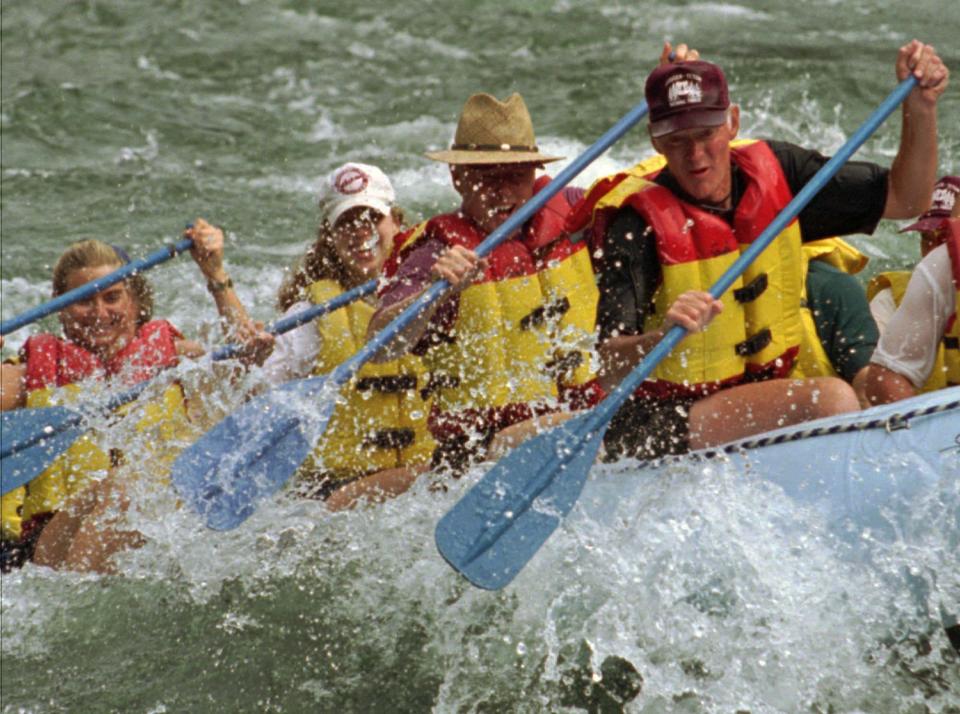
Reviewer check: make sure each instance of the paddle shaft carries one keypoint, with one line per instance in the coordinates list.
(604, 411)
(94, 286)
(222, 353)
(346, 370)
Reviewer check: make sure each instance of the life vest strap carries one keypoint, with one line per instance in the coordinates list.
(564, 362)
(437, 382)
(754, 343)
(749, 293)
(390, 439)
(389, 384)
(951, 343)
(551, 311)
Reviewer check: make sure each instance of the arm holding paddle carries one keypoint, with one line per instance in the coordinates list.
(914, 170)
(457, 265)
(693, 311)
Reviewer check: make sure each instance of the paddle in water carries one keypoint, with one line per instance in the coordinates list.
(500, 524)
(32, 439)
(255, 451)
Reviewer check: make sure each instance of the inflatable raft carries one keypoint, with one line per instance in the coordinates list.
(854, 467)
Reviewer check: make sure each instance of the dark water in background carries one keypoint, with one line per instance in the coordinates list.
(124, 120)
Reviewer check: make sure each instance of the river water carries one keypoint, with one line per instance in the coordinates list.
(125, 120)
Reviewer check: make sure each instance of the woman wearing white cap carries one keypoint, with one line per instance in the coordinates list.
(377, 442)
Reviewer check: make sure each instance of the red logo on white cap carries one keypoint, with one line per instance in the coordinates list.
(351, 180)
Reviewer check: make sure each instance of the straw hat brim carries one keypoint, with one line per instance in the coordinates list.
(453, 156)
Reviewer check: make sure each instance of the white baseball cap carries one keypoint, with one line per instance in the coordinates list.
(354, 185)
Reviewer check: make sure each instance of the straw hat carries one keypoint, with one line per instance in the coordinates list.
(493, 132)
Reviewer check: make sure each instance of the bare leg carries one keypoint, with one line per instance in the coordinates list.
(859, 384)
(375, 488)
(749, 409)
(83, 536)
(516, 434)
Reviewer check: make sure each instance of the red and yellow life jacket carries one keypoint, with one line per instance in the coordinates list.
(51, 364)
(946, 367)
(524, 333)
(381, 420)
(759, 332)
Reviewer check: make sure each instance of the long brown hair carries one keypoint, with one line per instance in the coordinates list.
(320, 262)
(94, 254)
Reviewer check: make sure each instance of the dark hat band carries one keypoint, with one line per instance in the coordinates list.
(493, 147)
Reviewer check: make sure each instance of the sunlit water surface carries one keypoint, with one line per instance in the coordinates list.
(696, 589)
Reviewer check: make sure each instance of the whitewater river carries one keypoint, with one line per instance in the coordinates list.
(702, 591)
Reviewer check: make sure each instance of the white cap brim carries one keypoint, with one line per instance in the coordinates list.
(365, 201)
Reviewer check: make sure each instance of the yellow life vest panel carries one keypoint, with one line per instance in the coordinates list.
(527, 325)
(759, 332)
(380, 421)
(525, 328)
(163, 423)
(813, 361)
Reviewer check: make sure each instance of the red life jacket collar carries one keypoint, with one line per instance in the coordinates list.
(54, 362)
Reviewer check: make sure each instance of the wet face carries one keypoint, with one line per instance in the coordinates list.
(105, 323)
(699, 158)
(491, 193)
(363, 239)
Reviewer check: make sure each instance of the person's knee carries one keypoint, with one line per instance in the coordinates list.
(830, 396)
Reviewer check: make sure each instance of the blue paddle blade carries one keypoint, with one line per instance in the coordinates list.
(32, 439)
(238, 463)
(498, 526)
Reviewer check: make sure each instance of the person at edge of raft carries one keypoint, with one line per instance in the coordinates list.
(920, 349)
(886, 290)
(377, 442)
(54, 519)
(665, 240)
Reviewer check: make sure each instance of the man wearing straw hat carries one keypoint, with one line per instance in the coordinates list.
(514, 339)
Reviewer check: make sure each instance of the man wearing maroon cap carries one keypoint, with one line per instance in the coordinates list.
(668, 236)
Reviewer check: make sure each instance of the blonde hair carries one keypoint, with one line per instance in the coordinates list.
(320, 262)
(94, 254)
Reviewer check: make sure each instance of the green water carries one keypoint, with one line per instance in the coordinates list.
(125, 120)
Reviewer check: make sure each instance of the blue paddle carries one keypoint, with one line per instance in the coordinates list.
(498, 526)
(255, 450)
(94, 286)
(32, 439)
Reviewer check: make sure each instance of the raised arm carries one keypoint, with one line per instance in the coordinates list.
(207, 252)
(914, 170)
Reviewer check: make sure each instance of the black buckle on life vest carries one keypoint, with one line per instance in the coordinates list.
(116, 458)
(951, 343)
(389, 384)
(564, 362)
(437, 382)
(749, 293)
(538, 317)
(390, 439)
(755, 343)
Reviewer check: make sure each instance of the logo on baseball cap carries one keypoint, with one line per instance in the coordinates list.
(352, 185)
(945, 195)
(686, 95)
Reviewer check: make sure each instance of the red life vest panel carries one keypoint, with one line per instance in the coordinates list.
(55, 362)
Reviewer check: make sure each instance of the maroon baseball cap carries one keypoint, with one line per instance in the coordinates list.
(945, 195)
(686, 95)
